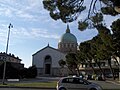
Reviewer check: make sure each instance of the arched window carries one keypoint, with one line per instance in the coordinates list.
(48, 59)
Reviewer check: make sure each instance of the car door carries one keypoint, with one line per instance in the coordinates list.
(70, 85)
(79, 84)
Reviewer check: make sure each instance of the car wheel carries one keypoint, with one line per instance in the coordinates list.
(93, 89)
(62, 88)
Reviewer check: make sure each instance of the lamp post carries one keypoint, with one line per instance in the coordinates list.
(5, 59)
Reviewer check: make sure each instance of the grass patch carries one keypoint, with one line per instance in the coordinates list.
(34, 84)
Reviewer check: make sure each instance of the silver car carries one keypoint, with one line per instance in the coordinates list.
(76, 83)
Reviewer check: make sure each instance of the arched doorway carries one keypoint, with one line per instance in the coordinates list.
(47, 65)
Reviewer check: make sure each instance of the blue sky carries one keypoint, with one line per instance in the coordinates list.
(33, 28)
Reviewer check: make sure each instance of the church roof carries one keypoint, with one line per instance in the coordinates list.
(68, 37)
(48, 46)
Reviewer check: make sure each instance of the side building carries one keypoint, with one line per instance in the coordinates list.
(92, 67)
(15, 61)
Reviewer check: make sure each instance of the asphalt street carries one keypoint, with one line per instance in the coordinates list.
(107, 84)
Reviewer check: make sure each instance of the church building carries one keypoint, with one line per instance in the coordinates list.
(46, 60)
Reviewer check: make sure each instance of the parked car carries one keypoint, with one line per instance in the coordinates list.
(109, 75)
(76, 83)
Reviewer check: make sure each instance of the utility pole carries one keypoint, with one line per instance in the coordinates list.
(5, 59)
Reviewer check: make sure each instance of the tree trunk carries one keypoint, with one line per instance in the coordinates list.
(118, 64)
(70, 69)
(111, 69)
(98, 64)
(91, 66)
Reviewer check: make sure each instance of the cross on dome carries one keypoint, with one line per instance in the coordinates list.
(67, 30)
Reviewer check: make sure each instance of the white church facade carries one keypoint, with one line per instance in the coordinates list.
(46, 60)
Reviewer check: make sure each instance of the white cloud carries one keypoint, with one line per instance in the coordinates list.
(42, 33)
(34, 33)
(3, 34)
(25, 15)
(27, 10)
(19, 33)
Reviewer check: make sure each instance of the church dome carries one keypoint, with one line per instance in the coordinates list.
(68, 37)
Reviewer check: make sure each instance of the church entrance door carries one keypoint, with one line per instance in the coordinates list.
(47, 68)
(47, 65)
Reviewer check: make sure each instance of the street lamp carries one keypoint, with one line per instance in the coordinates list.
(10, 26)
